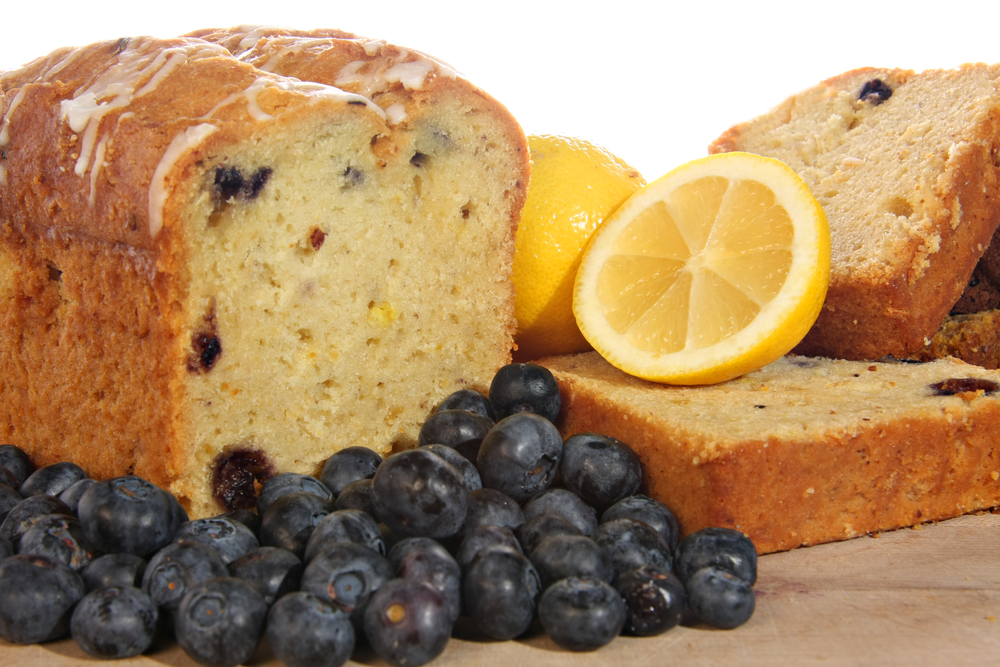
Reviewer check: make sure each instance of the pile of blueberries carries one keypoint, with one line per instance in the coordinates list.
(491, 527)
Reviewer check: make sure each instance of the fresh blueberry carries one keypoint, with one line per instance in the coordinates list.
(220, 621)
(407, 622)
(290, 520)
(489, 507)
(655, 598)
(26, 512)
(71, 496)
(6, 548)
(344, 526)
(290, 482)
(357, 496)
(305, 631)
(37, 595)
(349, 465)
(720, 598)
(453, 428)
(9, 478)
(431, 563)
(9, 498)
(114, 570)
(581, 614)
(15, 460)
(520, 456)
(722, 547)
(564, 556)
(533, 532)
(419, 493)
(649, 511)
(405, 546)
(114, 622)
(566, 504)
(482, 537)
(469, 400)
(600, 469)
(632, 544)
(249, 519)
(274, 572)
(499, 592)
(525, 388)
(60, 537)
(52, 480)
(463, 465)
(130, 515)
(176, 568)
(346, 575)
(230, 539)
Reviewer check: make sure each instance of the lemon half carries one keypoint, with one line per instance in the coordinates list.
(716, 269)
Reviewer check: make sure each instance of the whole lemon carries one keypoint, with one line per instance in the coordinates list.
(575, 186)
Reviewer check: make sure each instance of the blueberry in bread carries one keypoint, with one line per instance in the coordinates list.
(211, 273)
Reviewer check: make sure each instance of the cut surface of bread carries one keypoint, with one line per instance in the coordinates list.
(805, 450)
(211, 273)
(905, 165)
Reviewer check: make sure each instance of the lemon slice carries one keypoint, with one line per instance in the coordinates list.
(716, 269)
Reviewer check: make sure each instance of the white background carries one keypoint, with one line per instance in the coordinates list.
(653, 85)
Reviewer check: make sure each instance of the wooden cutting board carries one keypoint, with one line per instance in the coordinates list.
(912, 597)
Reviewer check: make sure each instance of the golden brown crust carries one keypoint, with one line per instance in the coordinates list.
(973, 338)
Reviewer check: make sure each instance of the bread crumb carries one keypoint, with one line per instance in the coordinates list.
(995, 475)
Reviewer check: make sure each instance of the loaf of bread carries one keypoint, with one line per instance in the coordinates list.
(906, 167)
(210, 273)
(805, 450)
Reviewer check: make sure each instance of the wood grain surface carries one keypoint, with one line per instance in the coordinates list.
(912, 597)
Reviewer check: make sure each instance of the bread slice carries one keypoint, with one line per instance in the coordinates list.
(906, 167)
(210, 273)
(805, 450)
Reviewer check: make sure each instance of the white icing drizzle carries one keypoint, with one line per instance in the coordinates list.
(294, 45)
(182, 143)
(395, 113)
(373, 47)
(98, 163)
(314, 90)
(5, 129)
(412, 74)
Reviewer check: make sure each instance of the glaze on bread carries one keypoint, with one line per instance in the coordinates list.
(211, 273)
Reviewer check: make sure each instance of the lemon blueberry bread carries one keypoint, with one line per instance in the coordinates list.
(906, 166)
(805, 450)
(210, 273)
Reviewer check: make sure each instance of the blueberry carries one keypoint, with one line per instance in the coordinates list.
(220, 621)
(655, 598)
(566, 504)
(563, 556)
(8, 478)
(15, 460)
(875, 91)
(453, 428)
(349, 465)
(9, 498)
(290, 482)
(290, 521)
(249, 519)
(481, 538)
(71, 496)
(6, 548)
(407, 623)
(176, 568)
(489, 507)
(534, 531)
(720, 598)
(651, 512)
(305, 631)
(230, 539)
(128, 514)
(114, 622)
(722, 547)
(463, 465)
(37, 595)
(344, 526)
(405, 546)
(274, 572)
(419, 493)
(599, 469)
(469, 400)
(357, 496)
(632, 544)
(581, 614)
(520, 456)
(114, 570)
(525, 388)
(52, 480)
(346, 575)
(499, 592)
(431, 563)
(26, 512)
(60, 537)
